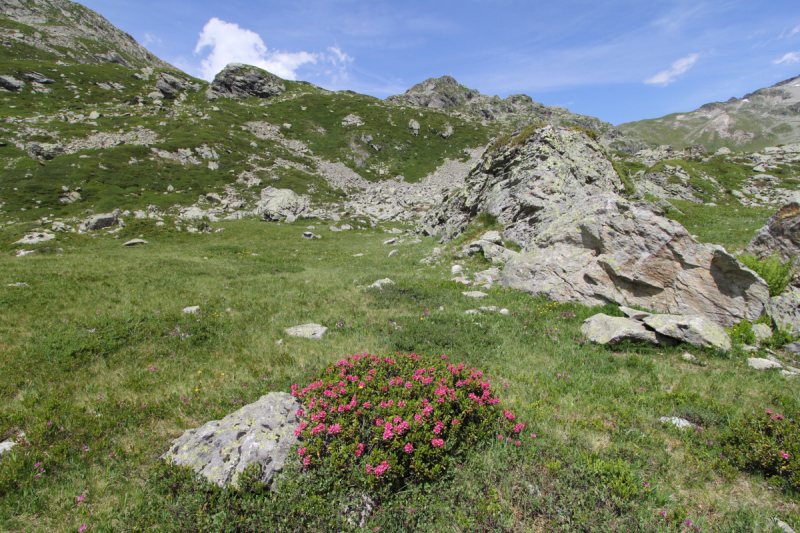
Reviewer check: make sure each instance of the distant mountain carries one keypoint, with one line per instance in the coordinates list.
(763, 118)
(72, 32)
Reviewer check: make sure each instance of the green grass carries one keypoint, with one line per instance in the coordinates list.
(79, 342)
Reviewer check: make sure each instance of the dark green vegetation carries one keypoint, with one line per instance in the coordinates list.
(97, 354)
(772, 270)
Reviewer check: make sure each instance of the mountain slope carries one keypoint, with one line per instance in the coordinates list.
(763, 118)
(71, 32)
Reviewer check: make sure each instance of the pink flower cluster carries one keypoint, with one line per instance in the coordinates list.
(378, 470)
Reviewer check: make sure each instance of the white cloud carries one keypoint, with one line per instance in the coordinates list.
(231, 44)
(665, 77)
(794, 31)
(151, 39)
(790, 58)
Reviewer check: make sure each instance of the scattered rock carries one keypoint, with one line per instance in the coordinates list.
(10, 83)
(693, 329)
(18, 284)
(307, 331)
(680, 423)
(6, 446)
(309, 235)
(472, 312)
(23, 253)
(413, 126)
(604, 329)
(456, 269)
(762, 364)
(462, 280)
(36, 238)
(335, 229)
(487, 276)
(191, 310)
(261, 432)
(780, 235)
(475, 294)
(793, 348)
(784, 310)
(393, 253)
(243, 81)
(390, 241)
(689, 358)
(135, 242)
(70, 197)
(783, 526)
(762, 331)
(380, 283)
(101, 221)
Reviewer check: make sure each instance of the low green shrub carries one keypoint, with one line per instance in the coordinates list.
(772, 270)
(768, 443)
(392, 420)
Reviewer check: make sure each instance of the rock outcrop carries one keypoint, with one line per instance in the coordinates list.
(604, 249)
(784, 310)
(517, 181)
(259, 433)
(781, 235)
(556, 194)
(439, 93)
(604, 329)
(243, 81)
(279, 204)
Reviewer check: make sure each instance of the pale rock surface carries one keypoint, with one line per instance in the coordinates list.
(259, 433)
(380, 283)
(456, 269)
(762, 364)
(487, 276)
(784, 310)
(604, 329)
(6, 446)
(191, 310)
(135, 242)
(475, 294)
(101, 221)
(307, 331)
(680, 423)
(696, 330)
(634, 313)
(762, 332)
(393, 253)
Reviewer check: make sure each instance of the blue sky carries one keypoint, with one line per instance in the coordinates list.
(619, 60)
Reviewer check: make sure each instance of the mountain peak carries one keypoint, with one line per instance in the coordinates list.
(439, 93)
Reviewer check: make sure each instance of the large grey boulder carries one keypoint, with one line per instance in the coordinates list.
(259, 433)
(604, 329)
(696, 330)
(784, 310)
(170, 86)
(103, 220)
(278, 204)
(242, 81)
(781, 235)
(36, 238)
(603, 249)
(516, 181)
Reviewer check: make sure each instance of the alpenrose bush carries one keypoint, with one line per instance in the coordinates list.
(390, 420)
(767, 443)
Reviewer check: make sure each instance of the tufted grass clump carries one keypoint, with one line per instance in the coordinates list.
(768, 443)
(386, 421)
(772, 270)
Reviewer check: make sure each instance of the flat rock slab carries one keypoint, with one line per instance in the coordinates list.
(307, 331)
(762, 364)
(18, 284)
(135, 242)
(36, 238)
(693, 329)
(635, 314)
(475, 294)
(604, 329)
(679, 423)
(261, 432)
(191, 310)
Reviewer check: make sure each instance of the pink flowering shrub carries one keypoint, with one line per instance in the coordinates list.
(767, 443)
(390, 419)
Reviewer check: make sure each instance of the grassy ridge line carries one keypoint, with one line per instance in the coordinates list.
(606, 409)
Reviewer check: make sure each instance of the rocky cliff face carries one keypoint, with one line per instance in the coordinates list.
(75, 33)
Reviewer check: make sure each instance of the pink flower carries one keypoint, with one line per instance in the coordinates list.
(518, 443)
(533, 435)
(408, 448)
(301, 452)
(307, 461)
(500, 437)
(437, 443)
(784, 454)
(81, 498)
(359, 449)
(82, 528)
(334, 429)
